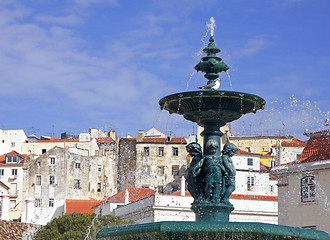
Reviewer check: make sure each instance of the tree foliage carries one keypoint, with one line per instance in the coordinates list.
(77, 226)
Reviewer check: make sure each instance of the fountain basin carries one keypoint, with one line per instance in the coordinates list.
(209, 105)
(209, 230)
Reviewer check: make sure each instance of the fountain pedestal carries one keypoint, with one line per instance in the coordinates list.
(212, 212)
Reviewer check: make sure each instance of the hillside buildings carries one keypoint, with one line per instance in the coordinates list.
(304, 188)
(58, 175)
(255, 197)
(151, 160)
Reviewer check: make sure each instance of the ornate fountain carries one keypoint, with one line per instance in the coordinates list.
(211, 180)
(211, 174)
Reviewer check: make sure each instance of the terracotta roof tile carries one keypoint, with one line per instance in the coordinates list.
(16, 230)
(178, 193)
(240, 196)
(293, 143)
(254, 197)
(135, 194)
(3, 157)
(163, 140)
(317, 149)
(58, 140)
(80, 206)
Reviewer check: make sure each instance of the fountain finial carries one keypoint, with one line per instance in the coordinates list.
(211, 64)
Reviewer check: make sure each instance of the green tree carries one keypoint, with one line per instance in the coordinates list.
(77, 226)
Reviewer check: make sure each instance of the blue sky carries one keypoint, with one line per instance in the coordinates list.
(71, 65)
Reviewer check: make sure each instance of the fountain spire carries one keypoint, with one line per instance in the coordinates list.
(211, 64)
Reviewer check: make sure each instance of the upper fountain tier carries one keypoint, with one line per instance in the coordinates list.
(211, 105)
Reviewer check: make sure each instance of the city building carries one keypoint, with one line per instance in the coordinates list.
(96, 142)
(58, 175)
(255, 197)
(287, 151)
(11, 140)
(12, 167)
(151, 160)
(303, 185)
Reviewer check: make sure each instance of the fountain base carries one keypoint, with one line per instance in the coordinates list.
(209, 230)
(206, 212)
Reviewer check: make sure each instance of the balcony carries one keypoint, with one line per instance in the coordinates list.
(13, 177)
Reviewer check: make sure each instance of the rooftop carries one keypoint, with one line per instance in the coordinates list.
(80, 206)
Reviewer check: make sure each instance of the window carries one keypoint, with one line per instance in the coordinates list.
(77, 165)
(272, 163)
(297, 156)
(14, 172)
(161, 170)
(39, 164)
(38, 180)
(161, 151)
(99, 187)
(146, 151)
(175, 170)
(250, 161)
(52, 180)
(271, 188)
(175, 151)
(12, 159)
(12, 204)
(37, 202)
(308, 189)
(76, 184)
(51, 202)
(2, 172)
(43, 151)
(250, 183)
(52, 160)
(12, 144)
(3, 141)
(146, 169)
(99, 168)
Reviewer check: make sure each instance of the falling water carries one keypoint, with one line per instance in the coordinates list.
(231, 86)
(289, 116)
(188, 82)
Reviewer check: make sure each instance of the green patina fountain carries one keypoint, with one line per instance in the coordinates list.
(211, 174)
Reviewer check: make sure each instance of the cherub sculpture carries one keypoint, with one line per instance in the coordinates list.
(194, 176)
(229, 175)
(213, 169)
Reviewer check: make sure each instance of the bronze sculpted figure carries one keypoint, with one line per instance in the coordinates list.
(229, 175)
(211, 178)
(194, 178)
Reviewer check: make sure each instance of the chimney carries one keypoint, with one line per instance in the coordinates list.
(139, 136)
(126, 196)
(183, 186)
(112, 134)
